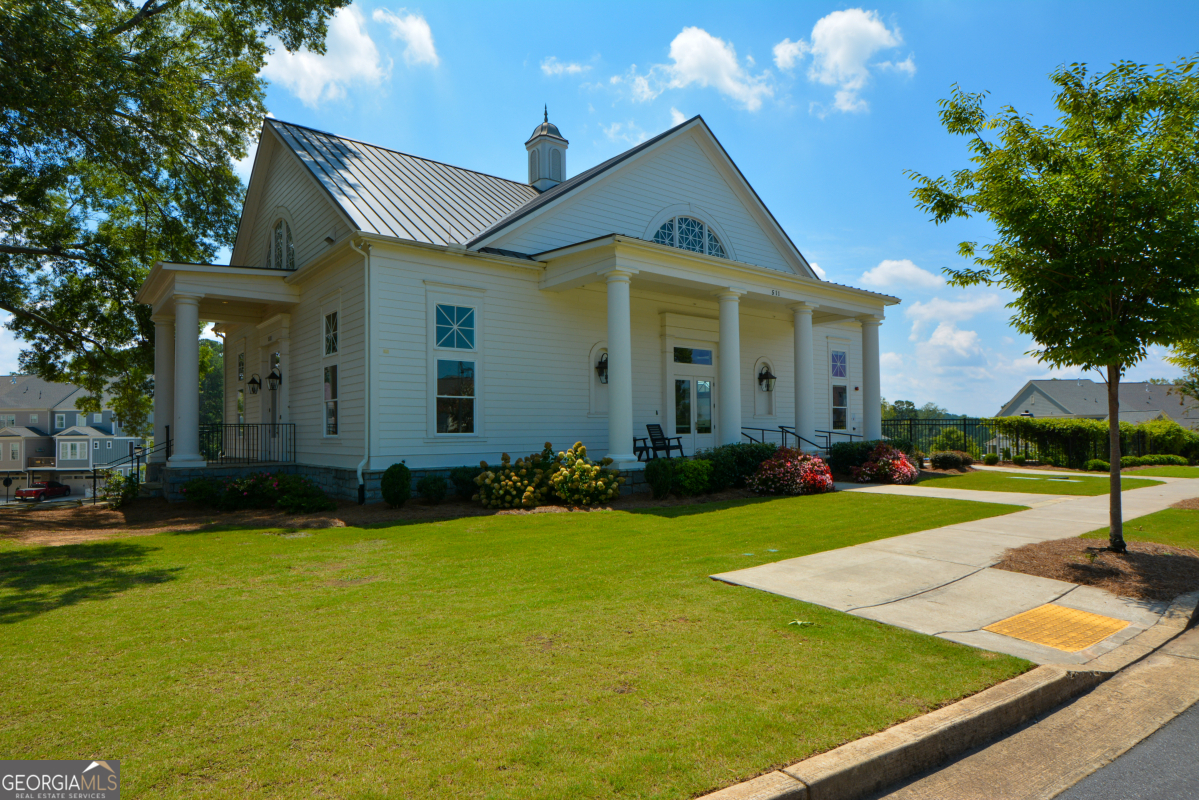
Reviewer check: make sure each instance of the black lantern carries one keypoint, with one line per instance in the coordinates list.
(274, 379)
(255, 383)
(601, 368)
(766, 379)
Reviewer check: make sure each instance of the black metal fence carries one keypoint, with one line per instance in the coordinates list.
(248, 443)
(975, 436)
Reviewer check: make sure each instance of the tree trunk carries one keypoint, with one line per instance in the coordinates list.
(1116, 512)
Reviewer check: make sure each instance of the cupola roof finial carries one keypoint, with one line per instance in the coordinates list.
(547, 112)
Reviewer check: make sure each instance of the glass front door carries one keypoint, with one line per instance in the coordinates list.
(693, 405)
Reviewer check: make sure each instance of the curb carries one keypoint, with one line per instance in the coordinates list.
(860, 768)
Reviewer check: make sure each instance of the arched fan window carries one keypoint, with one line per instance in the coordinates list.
(282, 254)
(688, 233)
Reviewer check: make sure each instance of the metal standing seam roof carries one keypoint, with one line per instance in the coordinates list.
(395, 194)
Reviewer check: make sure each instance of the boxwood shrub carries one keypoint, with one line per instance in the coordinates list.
(692, 477)
(734, 464)
(432, 488)
(396, 485)
(659, 474)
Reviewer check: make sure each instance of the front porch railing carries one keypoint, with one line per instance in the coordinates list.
(244, 443)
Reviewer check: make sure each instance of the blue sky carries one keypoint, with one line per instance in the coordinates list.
(822, 106)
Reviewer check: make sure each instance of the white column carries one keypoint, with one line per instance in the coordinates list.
(620, 370)
(872, 397)
(185, 431)
(805, 370)
(164, 380)
(729, 371)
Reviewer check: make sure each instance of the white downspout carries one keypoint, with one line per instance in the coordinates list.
(366, 366)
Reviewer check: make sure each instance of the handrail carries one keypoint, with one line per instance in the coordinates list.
(134, 460)
(851, 436)
(791, 430)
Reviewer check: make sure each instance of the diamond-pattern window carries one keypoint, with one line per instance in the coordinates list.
(665, 234)
(715, 248)
(455, 327)
(691, 234)
(840, 364)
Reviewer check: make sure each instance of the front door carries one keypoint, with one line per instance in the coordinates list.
(693, 417)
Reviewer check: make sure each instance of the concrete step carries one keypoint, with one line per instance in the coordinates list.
(150, 489)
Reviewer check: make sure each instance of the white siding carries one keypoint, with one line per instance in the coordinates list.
(627, 202)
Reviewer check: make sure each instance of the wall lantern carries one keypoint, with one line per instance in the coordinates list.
(766, 379)
(255, 383)
(601, 368)
(274, 379)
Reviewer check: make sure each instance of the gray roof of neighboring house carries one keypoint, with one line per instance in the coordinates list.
(1137, 417)
(395, 194)
(1139, 402)
(23, 432)
(30, 391)
(82, 430)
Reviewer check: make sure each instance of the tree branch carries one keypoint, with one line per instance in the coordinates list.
(147, 11)
(41, 251)
(64, 333)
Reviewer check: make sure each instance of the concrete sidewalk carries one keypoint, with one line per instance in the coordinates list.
(940, 581)
(1030, 499)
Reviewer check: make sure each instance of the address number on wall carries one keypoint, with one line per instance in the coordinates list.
(775, 293)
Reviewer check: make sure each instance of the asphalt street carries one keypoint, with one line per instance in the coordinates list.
(1162, 767)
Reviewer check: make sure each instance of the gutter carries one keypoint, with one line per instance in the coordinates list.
(366, 366)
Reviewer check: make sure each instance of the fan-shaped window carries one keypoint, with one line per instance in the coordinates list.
(556, 164)
(282, 254)
(688, 233)
(534, 166)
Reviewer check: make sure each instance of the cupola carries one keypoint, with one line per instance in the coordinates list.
(547, 155)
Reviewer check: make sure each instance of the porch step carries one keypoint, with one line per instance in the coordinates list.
(150, 489)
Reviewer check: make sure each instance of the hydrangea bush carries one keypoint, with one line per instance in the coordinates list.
(524, 483)
(886, 465)
(790, 472)
(582, 482)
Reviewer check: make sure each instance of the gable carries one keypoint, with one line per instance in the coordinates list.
(688, 175)
(281, 188)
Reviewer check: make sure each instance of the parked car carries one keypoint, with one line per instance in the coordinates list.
(43, 489)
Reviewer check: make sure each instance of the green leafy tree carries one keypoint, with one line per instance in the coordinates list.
(212, 382)
(1096, 218)
(119, 123)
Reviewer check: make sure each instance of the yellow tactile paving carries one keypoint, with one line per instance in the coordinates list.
(1059, 627)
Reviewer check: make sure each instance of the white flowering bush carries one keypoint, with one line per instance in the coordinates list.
(524, 483)
(579, 481)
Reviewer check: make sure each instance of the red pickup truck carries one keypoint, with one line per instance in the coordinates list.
(43, 489)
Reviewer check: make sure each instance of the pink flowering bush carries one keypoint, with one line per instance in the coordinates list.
(886, 465)
(790, 472)
(290, 493)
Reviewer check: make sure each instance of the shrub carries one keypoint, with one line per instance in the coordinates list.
(463, 481)
(1019, 460)
(120, 490)
(1098, 465)
(966, 458)
(692, 477)
(734, 464)
(579, 481)
(946, 460)
(298, 495)
(790, 472)
(204, 491)
(524, 483)
(1131, 461)
(886, 465)
(659, 474)
(844, 456)
(1153, 461)
(1007, 454)
(990, 459)
(396, 485)
(432, 488)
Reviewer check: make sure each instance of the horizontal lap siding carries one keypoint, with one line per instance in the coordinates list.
(626, 204)
(313, 216)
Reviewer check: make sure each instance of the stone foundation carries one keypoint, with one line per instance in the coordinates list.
(338, 482)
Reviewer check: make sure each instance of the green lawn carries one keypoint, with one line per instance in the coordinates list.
(1163, 472)
(541, 656)
(1174, 526)
(995, 481)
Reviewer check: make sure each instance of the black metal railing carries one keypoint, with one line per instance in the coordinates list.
(783, 436)
(245, 443)
(830, 439)
(135, 462)
(967, 434)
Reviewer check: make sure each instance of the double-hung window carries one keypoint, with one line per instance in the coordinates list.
(72, 451)
(33, 419)
(60, 421)
(330, 350)
(331, 400)
(14, 451)
(9, 420)
(455, 329)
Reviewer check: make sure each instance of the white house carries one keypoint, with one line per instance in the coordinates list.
(405, 309)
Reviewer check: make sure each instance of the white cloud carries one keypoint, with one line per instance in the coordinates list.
(902, 273)
(940, 310)
(414, 31)
(553, 67)
(676, 117)
(704, 60)
(10, 348)
(907, 66)
(788, 53)
(350, 58)
(625, 132)
(816, 268)
(891, 362)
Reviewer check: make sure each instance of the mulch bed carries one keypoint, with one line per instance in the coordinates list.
(1146, 572)
(74, 524)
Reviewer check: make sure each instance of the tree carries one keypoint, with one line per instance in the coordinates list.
(1097, 219)
(212, 382)
(119, 124)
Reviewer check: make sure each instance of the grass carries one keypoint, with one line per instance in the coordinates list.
(1081, 484)
(1164, 472)
(539, 656)
(1173, 526)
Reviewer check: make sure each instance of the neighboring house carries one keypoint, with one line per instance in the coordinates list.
(44, 436)
(1084, 398)
(406, 309)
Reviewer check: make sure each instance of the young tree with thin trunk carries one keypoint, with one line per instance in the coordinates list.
(1096, 218)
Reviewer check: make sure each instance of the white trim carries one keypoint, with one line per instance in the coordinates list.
(280, 213)
(695, 212)
(461, 296)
